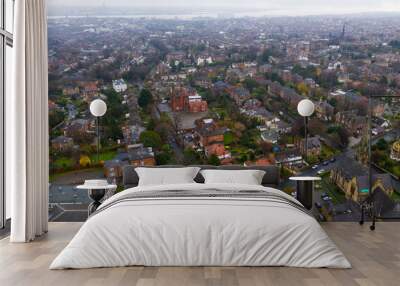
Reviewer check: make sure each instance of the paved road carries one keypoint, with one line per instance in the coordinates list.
(343, 158)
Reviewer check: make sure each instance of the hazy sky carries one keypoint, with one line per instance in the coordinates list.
(290, 6)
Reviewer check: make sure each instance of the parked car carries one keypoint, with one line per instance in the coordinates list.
(321, 172)
(332, 160)
(326, 163)
(326, 199)
(315, 167)
(318, 205)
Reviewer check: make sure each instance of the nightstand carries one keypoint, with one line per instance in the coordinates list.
(305, 188)
(97, 189)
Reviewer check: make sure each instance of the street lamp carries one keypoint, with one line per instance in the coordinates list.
(98, 108)
(306, 108)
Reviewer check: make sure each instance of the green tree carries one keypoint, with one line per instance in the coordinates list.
(165, 156)
(151, 139)
(214, 160)
(250, 84)
(114, 117)
(382, 144)
(191, 157)
(145, 98)
(55, 117)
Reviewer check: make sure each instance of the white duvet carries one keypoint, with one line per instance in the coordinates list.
(200, 232)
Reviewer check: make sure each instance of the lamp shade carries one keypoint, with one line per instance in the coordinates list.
(98, 107)
(306, 108)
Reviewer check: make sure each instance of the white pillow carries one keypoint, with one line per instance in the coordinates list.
(247, 177)
(166, 176)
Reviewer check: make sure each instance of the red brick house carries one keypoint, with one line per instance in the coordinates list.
(184, 99)
(211, 138)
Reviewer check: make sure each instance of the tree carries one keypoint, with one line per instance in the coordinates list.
(344, 136)
(145, 98)
(191, 157)
(250, 84)
(151, 139)
(55, 118)
(382, 144)
(214, 160)
(115, 115)
(84, 161)
(265, 56)
(165, 156)
(302, 88)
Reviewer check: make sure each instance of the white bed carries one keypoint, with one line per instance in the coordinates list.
(209, 230)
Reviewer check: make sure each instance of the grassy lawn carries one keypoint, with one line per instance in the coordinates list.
(395, 197)
(69, 176)
(327, 152)
(396, 171)
(237, 150)
(104, 156)
(228, 138)
(64, 162)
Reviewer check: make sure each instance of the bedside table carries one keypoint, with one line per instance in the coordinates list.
(97, 189)
(305, 189)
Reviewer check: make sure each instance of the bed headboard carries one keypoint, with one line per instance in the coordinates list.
(271, 178)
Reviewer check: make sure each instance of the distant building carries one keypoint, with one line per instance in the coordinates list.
(356, 187)
(202, 60)
(52, 105)
(71, 91)
(197, 104)
(270, 136)
(211, 139)
(239, 94)
(179, 98)
(62, 143)
(324, 110)
(175, 57)
(89, 90)
(119, 85)
(354, 123)
(263, 161)
(132, 133)
(113, 168)
(314, 146)
(138, 155)
(186, 99)
(77, 127)
(267, 68)
(395, 151)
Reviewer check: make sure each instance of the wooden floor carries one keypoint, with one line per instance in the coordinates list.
(375, 257)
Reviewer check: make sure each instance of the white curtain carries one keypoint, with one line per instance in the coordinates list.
(27, 124)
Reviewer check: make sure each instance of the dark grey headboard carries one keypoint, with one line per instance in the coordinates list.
(271, 179)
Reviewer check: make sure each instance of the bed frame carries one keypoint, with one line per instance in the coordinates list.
(271, 178)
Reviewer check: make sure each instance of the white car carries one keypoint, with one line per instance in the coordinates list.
(321, 172)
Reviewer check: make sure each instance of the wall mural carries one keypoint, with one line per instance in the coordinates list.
(225, 91)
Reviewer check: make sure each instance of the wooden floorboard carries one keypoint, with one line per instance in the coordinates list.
(375, 257)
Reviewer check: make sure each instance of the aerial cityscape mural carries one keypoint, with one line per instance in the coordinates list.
(220, 90)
